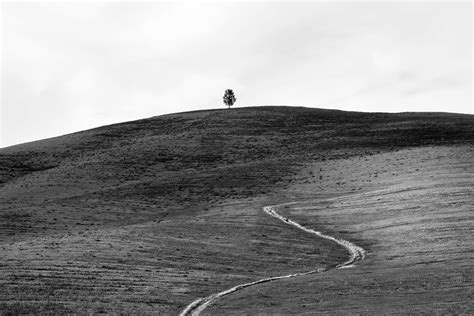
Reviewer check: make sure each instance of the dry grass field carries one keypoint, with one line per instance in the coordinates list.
(144, 217)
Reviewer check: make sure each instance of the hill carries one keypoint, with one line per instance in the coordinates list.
(148, 215)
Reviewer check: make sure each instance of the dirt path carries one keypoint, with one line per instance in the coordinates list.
(357, 254)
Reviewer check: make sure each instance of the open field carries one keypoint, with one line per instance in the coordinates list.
(146, 216)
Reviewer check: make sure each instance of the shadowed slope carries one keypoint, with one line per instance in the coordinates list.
(193, 158)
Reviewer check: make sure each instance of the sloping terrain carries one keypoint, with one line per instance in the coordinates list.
(412, 212)
(147, 216)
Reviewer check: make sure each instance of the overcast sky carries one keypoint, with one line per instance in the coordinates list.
(69, 67)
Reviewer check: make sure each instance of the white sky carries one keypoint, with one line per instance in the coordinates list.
(69, 67)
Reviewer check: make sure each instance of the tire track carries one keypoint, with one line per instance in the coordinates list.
(357, 254)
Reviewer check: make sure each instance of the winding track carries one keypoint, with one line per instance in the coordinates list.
(357, 254)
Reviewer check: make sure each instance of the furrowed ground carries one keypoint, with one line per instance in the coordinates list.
(146, 216)
(411, 210)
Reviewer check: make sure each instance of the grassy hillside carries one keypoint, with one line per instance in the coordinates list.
(147, 215)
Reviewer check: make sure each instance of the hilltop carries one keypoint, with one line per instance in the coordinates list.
(185, 159)
(139, 216)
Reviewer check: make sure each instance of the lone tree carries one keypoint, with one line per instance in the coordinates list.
(229, 97)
